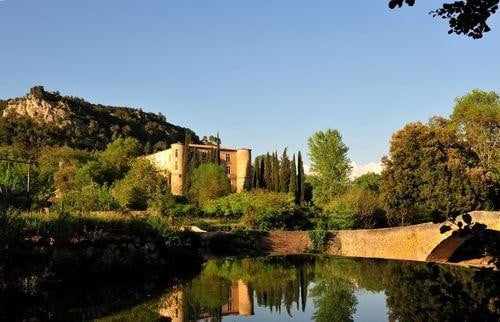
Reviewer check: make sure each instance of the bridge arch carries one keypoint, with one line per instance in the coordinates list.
(418, 242)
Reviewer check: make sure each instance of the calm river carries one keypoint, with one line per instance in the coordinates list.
(304, 288)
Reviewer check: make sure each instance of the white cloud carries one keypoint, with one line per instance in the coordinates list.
(360, 169)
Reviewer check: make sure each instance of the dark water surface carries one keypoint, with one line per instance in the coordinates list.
(300, 288)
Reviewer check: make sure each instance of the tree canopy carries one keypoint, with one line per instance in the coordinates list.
(209, 181)
(477, 116)
(430, 170)
(468, 17)
(330, 166)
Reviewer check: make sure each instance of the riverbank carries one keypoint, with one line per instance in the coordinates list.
(45, 250)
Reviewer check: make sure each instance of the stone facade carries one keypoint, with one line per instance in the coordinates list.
(170, 163)
(240, 303)
(422, 242)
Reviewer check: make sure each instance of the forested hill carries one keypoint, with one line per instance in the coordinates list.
(43, 118)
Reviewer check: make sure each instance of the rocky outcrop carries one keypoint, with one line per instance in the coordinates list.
(43, 118)
(40, 111)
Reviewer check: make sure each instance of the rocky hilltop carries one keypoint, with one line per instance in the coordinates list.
(43, 118)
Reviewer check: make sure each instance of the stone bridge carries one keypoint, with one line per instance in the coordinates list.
(418, 242)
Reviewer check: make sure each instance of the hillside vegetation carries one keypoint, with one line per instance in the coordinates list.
(43, 118)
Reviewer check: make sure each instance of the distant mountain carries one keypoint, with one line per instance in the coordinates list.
(43, 118)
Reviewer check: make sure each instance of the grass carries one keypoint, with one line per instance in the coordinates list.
(65, 226)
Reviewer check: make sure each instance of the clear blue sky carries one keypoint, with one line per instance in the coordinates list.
(265, 74)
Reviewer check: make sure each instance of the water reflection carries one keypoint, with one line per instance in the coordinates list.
(294, 288)
(332, 289)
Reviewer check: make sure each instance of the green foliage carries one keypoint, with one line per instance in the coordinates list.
(120, 153)
(166, 205)
(319, 240)
(62, 226)
(329, 165)
(284, 172)
(370, 181)
(477, 116)
(91, 197)
(260, 210)
(97, 172)
(104, 124)
(209, 182)
(139, 186)
(277, 175)
(292, 188)
(430, 169)
(301, 178)
(356, 208)
(334, 297)
(51, 159)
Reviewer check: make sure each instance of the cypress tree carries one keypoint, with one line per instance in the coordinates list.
(267, 172)
(256, 173)
(275, 168)
(217, 156)
(186, 164)
(300, 179)
(261, 173)
(292, 187)
(284, 172)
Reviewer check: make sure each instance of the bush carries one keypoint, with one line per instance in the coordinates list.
(140, 186)
(261, 210)
(64, 226)
(90, 198)
(356, 208)
(319, 240)
(209, 181)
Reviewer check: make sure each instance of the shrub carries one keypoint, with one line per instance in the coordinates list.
(120, 153)
(209, 181)
(161, 203)
(261, 210)
(140, 186)
(356, 208)
(91, 197)
(319, 240)
(369, 181)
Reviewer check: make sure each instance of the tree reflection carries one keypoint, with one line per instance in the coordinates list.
(288, 285)
(334, 300)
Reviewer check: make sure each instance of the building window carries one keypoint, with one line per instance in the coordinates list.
(176, 153)
(176, 165)
(228, 157)
(228, 170)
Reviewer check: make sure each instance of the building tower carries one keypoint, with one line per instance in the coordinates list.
(177, 168)
(243, 169)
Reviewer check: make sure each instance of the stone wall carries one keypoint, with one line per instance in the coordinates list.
(407, 243)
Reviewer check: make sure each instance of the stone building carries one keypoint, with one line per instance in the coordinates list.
(239, 303)
(170, 162)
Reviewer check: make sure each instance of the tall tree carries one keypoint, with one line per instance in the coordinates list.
(187, 164)
(284, 172)
(261, 173)
(268, 172)
(330, 166)
(275, 168)
(430, 170)
(300, 179)
(209, 182)
(217, 156)
(256, 173)
(292, 187)
(477, 116)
